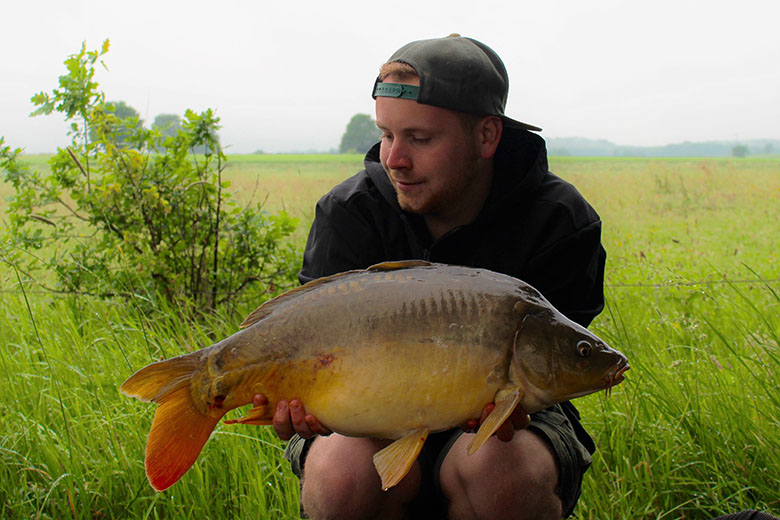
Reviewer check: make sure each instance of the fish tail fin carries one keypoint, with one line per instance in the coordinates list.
(179, 431)
(155, 381)
(180, 428)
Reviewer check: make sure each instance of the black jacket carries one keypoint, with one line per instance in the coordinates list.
(534, 226)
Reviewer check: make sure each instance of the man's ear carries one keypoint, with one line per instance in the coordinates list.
(490, 131)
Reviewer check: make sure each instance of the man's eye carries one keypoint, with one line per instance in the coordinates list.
(420, 140)
(387, 136)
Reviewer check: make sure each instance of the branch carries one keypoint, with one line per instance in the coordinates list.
(44, 220)
(75, 160)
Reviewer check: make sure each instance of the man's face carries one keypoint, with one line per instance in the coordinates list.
(430, 158)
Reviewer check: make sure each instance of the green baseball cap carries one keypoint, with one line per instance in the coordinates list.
(457, 73)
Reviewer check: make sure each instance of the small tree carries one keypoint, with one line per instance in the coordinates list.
(361, 134)
(142, 215)
(740, 150)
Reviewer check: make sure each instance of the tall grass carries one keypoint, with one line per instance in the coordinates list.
(691, 433)
(72, 446)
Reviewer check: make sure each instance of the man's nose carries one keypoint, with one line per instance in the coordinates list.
(398, 156)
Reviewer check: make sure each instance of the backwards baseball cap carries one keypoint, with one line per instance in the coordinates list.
(457, 73)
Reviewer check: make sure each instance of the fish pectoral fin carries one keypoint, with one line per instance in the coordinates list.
(394, 461)
(259, 415)
(506, 401)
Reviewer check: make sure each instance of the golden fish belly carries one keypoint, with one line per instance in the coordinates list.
(389, 389)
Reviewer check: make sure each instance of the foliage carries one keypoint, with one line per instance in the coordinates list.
(361, 134)
(126, 116)
(740, 150)
(135, 211)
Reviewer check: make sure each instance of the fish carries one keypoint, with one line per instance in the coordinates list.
(397, 351)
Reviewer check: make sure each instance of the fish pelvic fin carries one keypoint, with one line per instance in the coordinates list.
(258, 415)
(506, 401)
(394, 461)
(179, 431)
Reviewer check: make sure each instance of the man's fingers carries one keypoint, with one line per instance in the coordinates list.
(298, 419)
(290, 417)
(470, 426)
(315, 426)
(517, 421)
(520, 419)
(281, 422)
(505, 432)
(259, 400)
(486, 411)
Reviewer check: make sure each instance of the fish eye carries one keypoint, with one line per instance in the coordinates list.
(584, 348)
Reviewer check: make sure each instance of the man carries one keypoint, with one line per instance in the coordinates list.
(454, 180)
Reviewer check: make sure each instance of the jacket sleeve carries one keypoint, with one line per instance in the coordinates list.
(570, 273)
(340, 239)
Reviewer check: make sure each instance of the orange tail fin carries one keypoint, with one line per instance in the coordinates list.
(178, 433)
(180, 428)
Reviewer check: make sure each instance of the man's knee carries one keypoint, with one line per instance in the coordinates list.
(340, 481)
(517, 479)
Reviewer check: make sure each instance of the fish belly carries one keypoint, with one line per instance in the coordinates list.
(387, 390)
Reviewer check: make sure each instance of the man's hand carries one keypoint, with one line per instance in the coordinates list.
(291, 418)
(517, 421)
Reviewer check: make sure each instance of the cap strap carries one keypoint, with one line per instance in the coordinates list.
(396, 90)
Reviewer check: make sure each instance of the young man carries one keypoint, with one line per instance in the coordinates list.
(454, 180)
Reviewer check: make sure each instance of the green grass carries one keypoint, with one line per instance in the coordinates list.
(691, 433)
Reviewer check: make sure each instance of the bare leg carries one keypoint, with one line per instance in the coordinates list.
(340, 481)
(512, 480)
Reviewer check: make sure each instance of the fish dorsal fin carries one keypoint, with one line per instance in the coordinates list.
(399, 264)
(506, 400)
(268, 307)
(394, 462)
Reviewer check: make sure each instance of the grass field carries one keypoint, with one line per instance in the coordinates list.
(693, 299)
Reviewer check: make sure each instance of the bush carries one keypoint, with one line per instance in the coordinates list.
(128, 210)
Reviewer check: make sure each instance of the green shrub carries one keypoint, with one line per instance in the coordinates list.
(128, 210)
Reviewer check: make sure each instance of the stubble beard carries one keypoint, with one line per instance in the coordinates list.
(447, 198)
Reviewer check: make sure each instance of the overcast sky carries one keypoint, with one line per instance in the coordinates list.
(288, 75)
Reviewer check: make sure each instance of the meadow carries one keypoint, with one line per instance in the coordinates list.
(693, 300)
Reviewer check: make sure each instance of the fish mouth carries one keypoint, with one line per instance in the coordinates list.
(615, 375)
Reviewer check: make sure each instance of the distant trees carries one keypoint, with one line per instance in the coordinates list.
(361, 134)
(740, 150)
(122, 125)
(168, 124)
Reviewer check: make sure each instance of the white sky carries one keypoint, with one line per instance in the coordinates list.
(288, 75)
